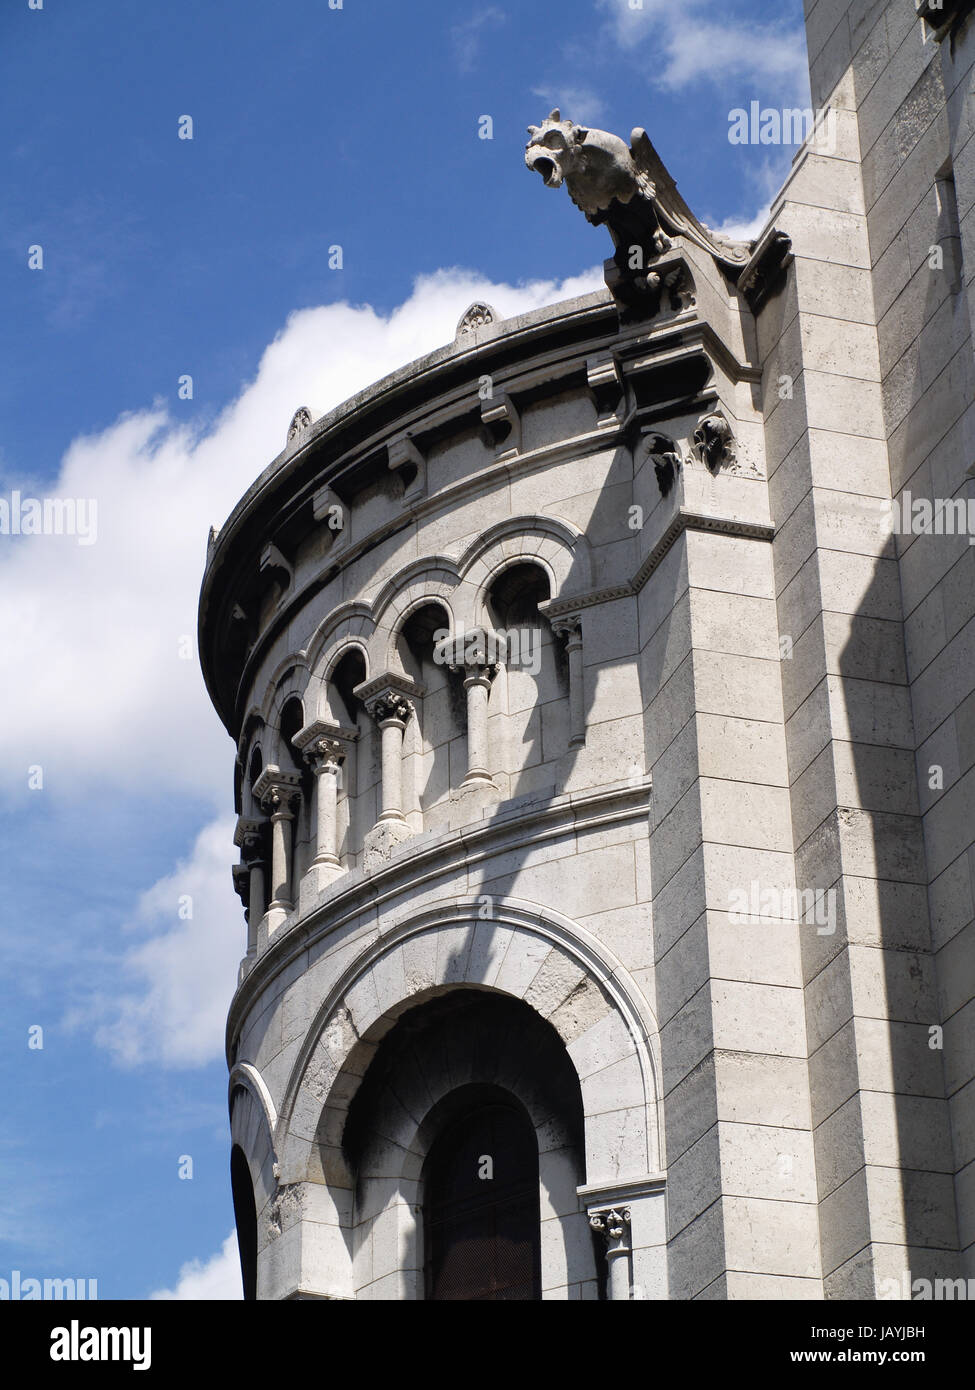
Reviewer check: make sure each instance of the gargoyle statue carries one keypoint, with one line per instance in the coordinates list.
(629, 189)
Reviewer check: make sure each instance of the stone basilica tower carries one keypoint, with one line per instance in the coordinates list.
(601, 922)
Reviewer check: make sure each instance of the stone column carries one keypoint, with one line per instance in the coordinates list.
(387, 701)
(279, 793)
(280, 805)
(613, 1223)
(325, 747)
(569, 628)
(477, 682)
(391, 711)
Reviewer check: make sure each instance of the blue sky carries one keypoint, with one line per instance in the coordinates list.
(312, 126)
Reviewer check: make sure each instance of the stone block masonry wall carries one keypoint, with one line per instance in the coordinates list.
(912, 98)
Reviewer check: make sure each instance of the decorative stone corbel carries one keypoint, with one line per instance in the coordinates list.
(273, 562)
(606, 385)
(501, 424)
(327, 507)
(714, 442)
(406, 459)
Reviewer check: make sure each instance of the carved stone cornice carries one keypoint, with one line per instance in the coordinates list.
(687, 520)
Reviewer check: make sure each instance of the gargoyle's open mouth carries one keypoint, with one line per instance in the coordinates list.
(548, 169)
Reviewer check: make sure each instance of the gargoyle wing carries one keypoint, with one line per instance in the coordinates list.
(675, 216)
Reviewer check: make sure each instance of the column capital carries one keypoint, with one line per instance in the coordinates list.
(568, 626)
(324, 745)
(477, 651)
(388, 697)
(612, 1222)
(277, 791)
(246, 831)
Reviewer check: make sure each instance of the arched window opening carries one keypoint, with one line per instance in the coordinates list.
(442, 711)
(292, 719)
(481, 1206)
(535, 677)
(245, 1215)
(516, 594)
(445, 1218)
(349, 672)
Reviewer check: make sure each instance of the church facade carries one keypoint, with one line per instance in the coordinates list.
(603, 687)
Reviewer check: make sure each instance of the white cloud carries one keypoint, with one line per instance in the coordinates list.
(103, 697)
(743, 228)
(215, 1278)
(465, 37)
(578, 104)
(689, 50)
(172, 1005)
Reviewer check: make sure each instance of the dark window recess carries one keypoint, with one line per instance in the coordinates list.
(482, 1233)
(245, 1213)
